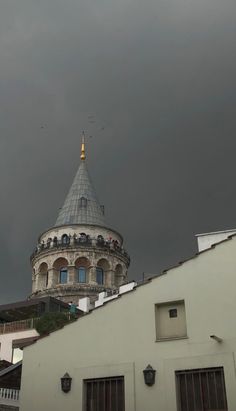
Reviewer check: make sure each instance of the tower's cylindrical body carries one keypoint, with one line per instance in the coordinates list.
(75, 261)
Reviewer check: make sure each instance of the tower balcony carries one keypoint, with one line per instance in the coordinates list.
(80, 243)
(74, 262)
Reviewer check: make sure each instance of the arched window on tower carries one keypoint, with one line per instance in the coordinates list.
(83, 202)
(63, 275)
(119, 275)
(82, 275)
(65, 239)
(99, 275)
(43, 276)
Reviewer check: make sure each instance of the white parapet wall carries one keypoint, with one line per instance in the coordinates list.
(105, 297)
(127, 287)
(8, 340)
(84, 304)
(206, 240)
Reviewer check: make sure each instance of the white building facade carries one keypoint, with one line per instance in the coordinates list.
(10, 343)
(181, 323)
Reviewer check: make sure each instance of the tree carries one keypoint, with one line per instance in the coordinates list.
(52, 321)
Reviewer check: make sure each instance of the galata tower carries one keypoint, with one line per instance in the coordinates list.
(80, 256)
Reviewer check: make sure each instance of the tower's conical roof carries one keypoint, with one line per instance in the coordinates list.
(81, 204)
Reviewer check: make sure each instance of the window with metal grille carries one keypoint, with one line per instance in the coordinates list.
(104, 394)
(201, 390)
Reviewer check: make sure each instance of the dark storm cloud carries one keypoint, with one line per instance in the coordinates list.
(159, 79)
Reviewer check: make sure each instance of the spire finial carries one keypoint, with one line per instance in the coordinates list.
(82, 155)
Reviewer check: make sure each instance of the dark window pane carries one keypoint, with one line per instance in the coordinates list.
(82, 275)
(63, 276)
(173, 313)
(99, 275)
(198, 392)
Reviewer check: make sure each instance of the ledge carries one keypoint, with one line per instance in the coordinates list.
(172, 338)
(73, 287)
(85, 247)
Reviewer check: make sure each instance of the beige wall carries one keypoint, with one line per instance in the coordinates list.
(120, 338)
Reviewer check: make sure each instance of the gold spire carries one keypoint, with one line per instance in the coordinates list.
(82, 155)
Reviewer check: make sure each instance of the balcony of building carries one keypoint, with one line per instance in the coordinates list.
(83, 241)
(17, 326)
(10, 380)
(9, 397)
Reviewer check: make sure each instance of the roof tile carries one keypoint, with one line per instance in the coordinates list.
(72, 211)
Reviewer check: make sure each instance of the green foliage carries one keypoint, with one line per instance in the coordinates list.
(52, 321)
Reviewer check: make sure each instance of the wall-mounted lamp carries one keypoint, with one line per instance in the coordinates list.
(218, 339)
(66, 383)
(149, 375)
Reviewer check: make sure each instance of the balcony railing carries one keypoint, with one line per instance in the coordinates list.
(23, 325)
(9, 396)
(84, 241)
(15, 326)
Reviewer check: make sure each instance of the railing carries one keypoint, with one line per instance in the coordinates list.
(16, 326)
(23, 325)
(81, 242)
(9, 395)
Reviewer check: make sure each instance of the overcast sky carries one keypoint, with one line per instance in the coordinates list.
(159, 78)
